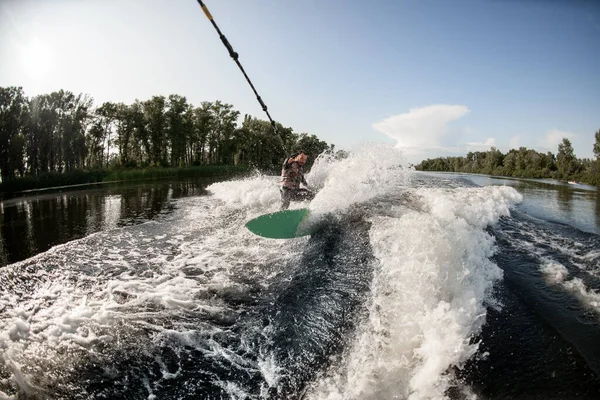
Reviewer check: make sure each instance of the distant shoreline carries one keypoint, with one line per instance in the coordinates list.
(56, 180)
(543, 180)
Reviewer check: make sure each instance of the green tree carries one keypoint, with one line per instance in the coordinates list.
(597, 145)
(510, 162)
(43, 127)
(17, 154)
(258, 144)
(470, 162)
(178, 128)
(202, 122)
(13, 116)
(565, 159)
(107, 114)
(189, 133)
(95, 149)
(125, 129)
(224, 121)
(141, 137)
(156, 123)
(493, 160)
(74, 118)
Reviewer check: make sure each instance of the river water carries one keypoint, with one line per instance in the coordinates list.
(416, 286)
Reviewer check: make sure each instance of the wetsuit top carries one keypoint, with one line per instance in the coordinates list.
(292, 175)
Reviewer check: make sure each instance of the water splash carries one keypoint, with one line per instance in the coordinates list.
(429, 295)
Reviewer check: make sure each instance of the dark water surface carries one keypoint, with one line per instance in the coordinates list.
(540, 323)
(573, 204)
(450, 287)
(34, 223)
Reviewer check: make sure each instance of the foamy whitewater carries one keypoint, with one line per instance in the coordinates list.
(388, 300)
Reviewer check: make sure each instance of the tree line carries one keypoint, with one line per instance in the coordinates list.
(524, 163)
(62, 132)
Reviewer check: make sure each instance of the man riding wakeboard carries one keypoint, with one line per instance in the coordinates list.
(291, 178)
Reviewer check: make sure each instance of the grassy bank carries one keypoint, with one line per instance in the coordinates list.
(56, 179)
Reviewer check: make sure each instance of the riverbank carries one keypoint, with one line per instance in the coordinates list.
(588, 178)
(56, 180)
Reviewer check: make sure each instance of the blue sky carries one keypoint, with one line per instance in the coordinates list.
(434, 77)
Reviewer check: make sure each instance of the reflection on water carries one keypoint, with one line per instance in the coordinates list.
(33, 224)
(565, 198)
(598, 208)
(575, 205)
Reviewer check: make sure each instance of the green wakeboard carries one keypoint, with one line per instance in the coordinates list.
(282, 225)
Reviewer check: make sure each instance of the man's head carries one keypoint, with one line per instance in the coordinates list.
(301, 158)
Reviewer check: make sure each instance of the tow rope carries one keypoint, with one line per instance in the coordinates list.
(235, 57)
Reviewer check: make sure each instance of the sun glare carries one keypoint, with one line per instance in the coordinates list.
(36, 58)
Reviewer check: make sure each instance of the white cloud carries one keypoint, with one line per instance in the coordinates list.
(478, 146)
(514, 142)
(421, 128)
(552, 139)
